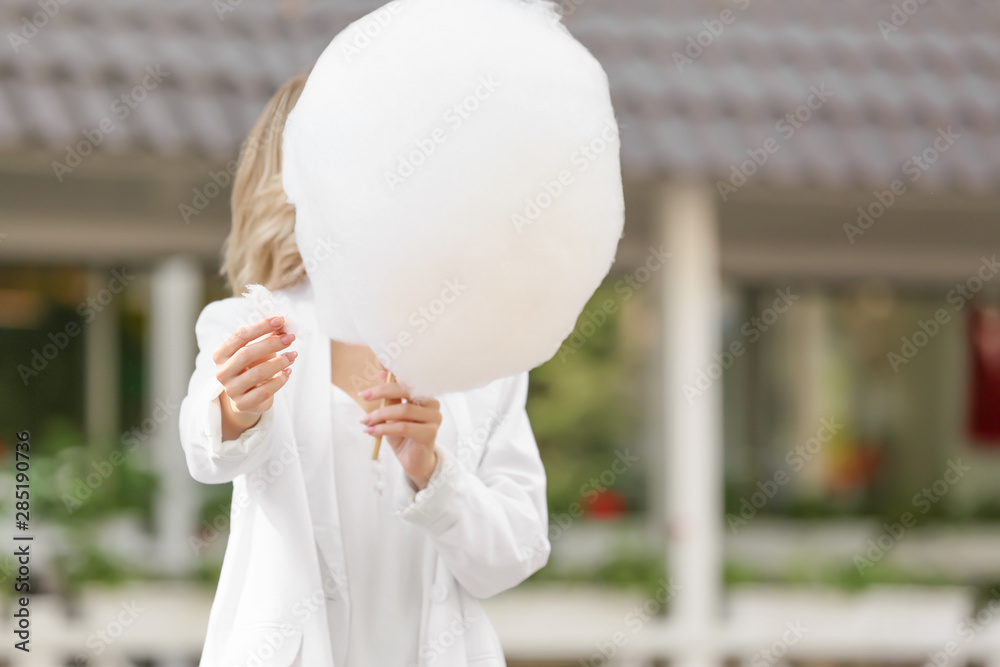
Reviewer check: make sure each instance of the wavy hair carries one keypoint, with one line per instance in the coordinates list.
(260, 247)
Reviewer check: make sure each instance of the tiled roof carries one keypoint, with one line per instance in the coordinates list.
(892, 89)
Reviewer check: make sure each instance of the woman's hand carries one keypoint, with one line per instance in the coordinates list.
(251, 373)
(411, 428)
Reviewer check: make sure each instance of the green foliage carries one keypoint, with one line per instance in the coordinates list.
(208, 573)
(218, 498)
(585, 403)
(73, 482)
(888, 509)
(987, 510)
(986, 592)
(839, 576)
(37, 388)
(86, 562)
(79, 487)
(641, 570)
(627, 569)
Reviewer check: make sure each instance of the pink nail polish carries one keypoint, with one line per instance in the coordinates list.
(365, 393)
(286, 339)
(276, 321)
(291, 355)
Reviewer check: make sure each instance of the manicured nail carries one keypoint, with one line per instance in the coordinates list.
(291, 355)
(287, 371)
(276, 321)
(370, 430)
(367, 393)
(286, 339)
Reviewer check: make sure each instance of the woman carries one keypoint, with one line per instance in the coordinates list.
(333, 558)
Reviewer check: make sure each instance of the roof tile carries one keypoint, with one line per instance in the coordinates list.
(891, 92)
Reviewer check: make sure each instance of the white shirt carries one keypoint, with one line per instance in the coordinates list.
(484, 522)
(383, 554)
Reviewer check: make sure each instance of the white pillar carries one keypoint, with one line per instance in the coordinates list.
(807, 343)
(176, 293)
(692, 334)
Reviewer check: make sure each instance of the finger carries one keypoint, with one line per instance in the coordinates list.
(256, 362)
(418, 432)
(392, 390)
(244, 335)
(426, 402)
(259, 374)
(403, 412)
(248, 354)
(260, 360)
(255, 399)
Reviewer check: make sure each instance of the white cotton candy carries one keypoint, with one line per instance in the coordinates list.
(454, 167)
(266, 304)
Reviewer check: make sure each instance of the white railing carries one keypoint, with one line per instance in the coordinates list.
(763, 626)
(112, 627)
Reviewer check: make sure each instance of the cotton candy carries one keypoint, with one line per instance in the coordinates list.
(266, 304)
(454, 165)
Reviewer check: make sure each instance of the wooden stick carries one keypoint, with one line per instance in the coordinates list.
(378, 439)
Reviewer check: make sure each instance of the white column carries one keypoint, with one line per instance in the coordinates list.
(692, 334)
(176, 293)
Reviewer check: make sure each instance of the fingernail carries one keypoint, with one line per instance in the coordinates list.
(276, 321)
(286, 339)
(287, 371)
(365, 419)
(291, 355)
(367, 393)
(369, 430)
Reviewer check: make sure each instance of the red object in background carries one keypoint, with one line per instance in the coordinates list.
(857, 467)
(606, 504)
(984, 396)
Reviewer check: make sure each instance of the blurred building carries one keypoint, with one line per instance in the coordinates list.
(825, 177)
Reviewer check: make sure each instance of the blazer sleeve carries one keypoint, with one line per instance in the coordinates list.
(210, 459)
(490, 526)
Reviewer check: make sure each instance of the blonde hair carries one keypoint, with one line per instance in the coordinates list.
(261, 246)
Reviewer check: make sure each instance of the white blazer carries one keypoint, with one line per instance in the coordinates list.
(484, 511)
